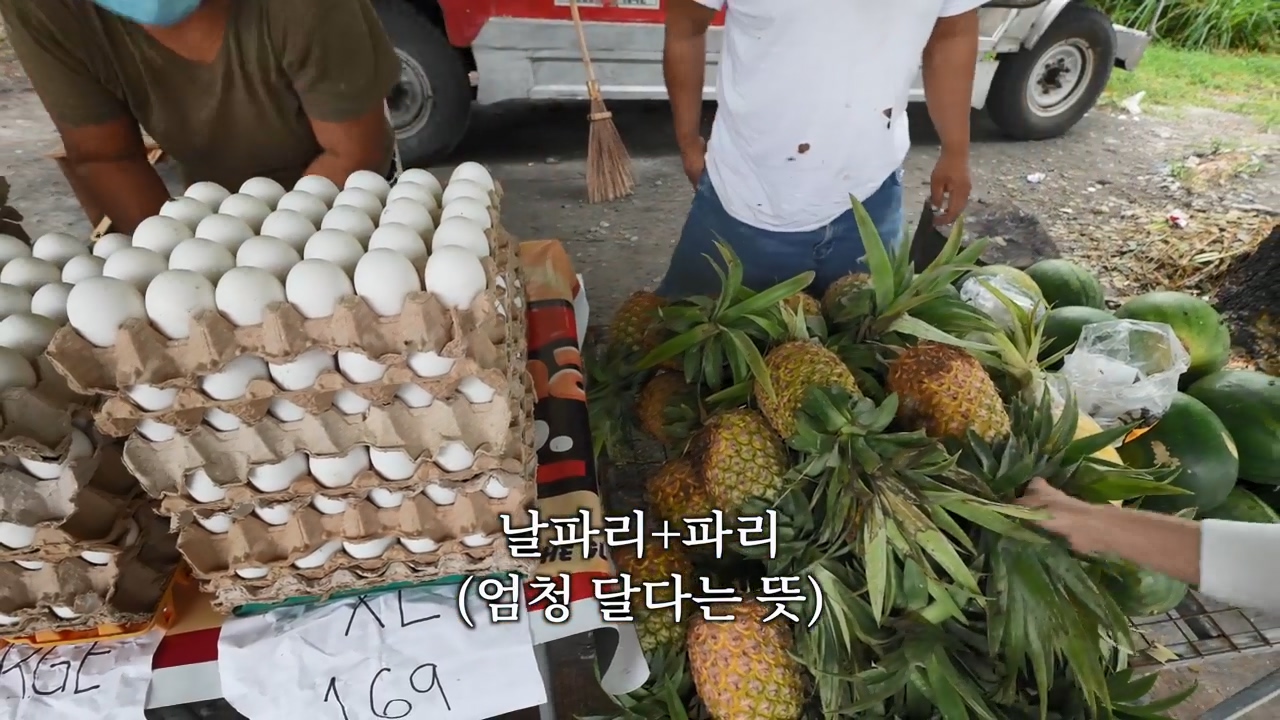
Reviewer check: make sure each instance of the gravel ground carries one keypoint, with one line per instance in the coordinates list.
(1104, 193)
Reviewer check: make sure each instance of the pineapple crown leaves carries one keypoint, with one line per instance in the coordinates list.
(611, 387)
(726, 331)
(666, 695)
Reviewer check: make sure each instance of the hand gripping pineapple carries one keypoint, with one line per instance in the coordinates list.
(743, 668)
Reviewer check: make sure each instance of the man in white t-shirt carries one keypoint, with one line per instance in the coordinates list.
(812, 98)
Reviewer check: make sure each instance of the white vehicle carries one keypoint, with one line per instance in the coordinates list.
(1043, 65)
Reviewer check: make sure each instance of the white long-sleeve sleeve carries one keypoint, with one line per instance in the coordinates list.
(1240, 563)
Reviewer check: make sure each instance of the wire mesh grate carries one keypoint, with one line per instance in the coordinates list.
(1199, 629)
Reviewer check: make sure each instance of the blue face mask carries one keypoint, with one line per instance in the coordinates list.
(151, 12)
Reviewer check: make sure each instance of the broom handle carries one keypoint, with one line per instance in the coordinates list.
(593, 87)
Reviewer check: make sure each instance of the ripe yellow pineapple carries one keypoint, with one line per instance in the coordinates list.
(635, 324)
(677, 493)
(659, 630)
(842, 288)
(739, 456)
(657, 565)
(794, 367)
(743, 669)
(657, 397)
(946, 391)
(803, 302)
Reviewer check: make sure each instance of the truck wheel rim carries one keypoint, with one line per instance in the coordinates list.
(1060, 78)
(411, 100)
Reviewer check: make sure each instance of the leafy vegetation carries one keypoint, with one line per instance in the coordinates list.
(1252, 25)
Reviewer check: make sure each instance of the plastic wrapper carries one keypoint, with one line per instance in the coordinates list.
(1125, 371)
(977, 291)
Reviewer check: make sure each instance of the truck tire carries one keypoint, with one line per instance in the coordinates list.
(431, 105)
(1041, 92)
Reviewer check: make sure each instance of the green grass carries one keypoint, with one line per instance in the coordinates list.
(1205, 24)
(1239, 83)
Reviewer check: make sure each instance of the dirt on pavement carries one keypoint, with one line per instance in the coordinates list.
(1104, 192)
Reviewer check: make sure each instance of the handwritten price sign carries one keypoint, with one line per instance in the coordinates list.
(73, 682)
(406, 655)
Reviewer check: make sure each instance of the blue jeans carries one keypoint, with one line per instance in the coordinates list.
(769, 257)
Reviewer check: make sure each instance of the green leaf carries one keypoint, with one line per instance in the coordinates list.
(754, 360)
(768, 298)
(876, 563)
(878, 262)
(678, 345)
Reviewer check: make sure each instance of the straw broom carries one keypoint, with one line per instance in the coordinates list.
(608, 164)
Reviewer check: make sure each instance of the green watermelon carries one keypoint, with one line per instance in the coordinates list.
(1192, 439)
(1062, 326)
(1248, 403)
(1244, 506)
(1200, 328)
(1019, 279)
(1144, 593)
(1064, 283)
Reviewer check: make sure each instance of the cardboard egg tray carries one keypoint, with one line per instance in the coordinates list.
(250, 542)
(125, 590)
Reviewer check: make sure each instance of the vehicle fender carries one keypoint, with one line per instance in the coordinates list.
(1049, 12)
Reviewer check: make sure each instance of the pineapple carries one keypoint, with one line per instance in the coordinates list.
(656, 565)
(803, 303)
(794, 367)
(946, 392)
(667, 408)
(677, 493)
(636, 326)
(743, 668)
(843, 289)
(740, 457)
(659, 630)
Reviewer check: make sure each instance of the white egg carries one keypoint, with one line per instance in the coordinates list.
(465, 188)
(321, 555)
(51, 302)
(156, 431)
(338, 247)
(152, 398)
(430, 364)
(362, 199)
(11, 247)
(161, 234)
(384, 498)
(205, 257)
(217, 523)
(455, 276)
(421, 177)
(393, 464)
(318, 185)
(420, 546)
(29, 273)
(368, 549)
(463, 233)
(209, 193)
(305, 204)
(253, 211)
(414, 396)
(244, 293)
(265, 189)
(420, 194)
(64, 612)
(285, 411)
(221, 420)
(175, 297)
(202, 488)
(384, 278)
(225, 230)
(109, 243)
(471, 209)
(476, 391)
(252, 573)
(342, 470)
(371, 181)
(316, 286)
(136, 266)
(57, 248)
(494, 488)
(29, 564)
(27, 333)
(360, 368)
(14, 299)
(268, 253)
(477, 541)
(303, 371)
(232, 382)
(290, 226)
(439, 494)
(15, 370)
(474, 172)
(276, 477)
(350, 403)
(411, 213)
(188, 210)
(403, 240)
(349, 219)
(15, 536)
(81, 267)
(79, 448)
(276, 515)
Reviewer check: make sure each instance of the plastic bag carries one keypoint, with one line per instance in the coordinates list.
(1125, 371)
(976, 291)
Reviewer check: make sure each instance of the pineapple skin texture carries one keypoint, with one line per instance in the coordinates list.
(658, 629)
(677, 492)
(743, 669)
(803, 303)
(635, 324)
(794, 367)
(658, 565)
(946, 392)
(662, 391)
(740, 456)
(836, 291)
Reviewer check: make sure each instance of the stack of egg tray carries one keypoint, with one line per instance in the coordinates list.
(329, 520)
(80, 545)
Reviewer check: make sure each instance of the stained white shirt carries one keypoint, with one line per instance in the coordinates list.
(1240, 564)
(802, 92)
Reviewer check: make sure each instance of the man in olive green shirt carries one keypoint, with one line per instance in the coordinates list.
(231, 89)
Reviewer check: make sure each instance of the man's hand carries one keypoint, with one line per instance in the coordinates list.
(949, 187)
(695, 161)
(1069, 517)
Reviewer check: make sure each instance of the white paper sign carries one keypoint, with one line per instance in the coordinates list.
(405, 655)
(106, 680)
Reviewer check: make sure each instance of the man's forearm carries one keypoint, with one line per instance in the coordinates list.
(1163, 543)
(684, 66)
(127, 191)
(949, 61)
